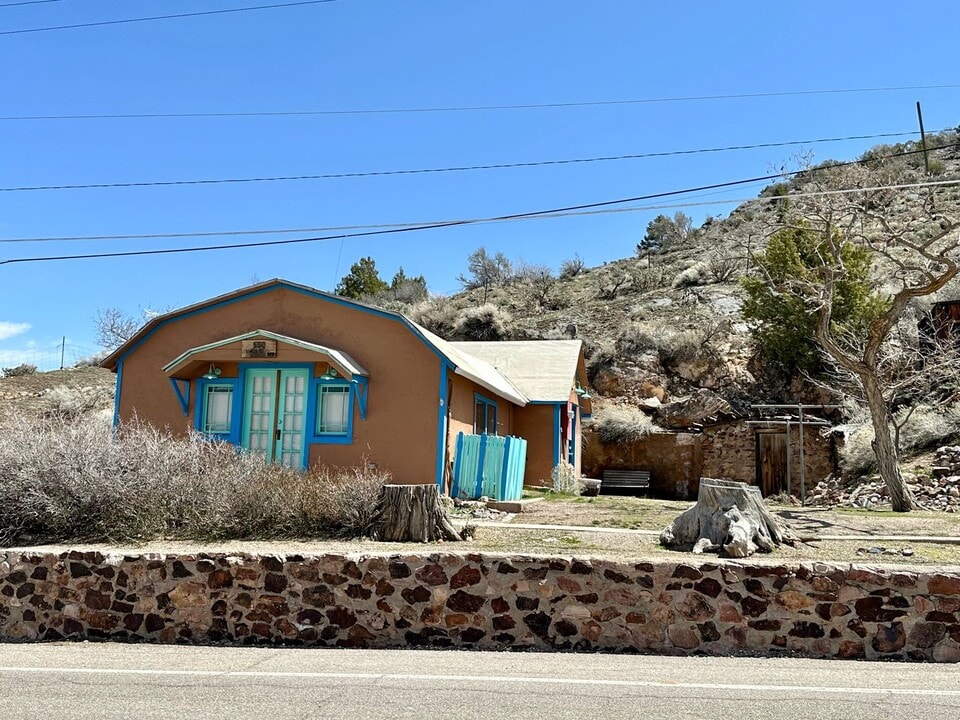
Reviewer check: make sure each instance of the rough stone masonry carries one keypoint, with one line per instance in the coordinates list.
(484, 601)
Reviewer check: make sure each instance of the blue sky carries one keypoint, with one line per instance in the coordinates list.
(414, 54)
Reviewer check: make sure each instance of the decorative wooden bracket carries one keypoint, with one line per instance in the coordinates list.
(182, 390)
(360, 384)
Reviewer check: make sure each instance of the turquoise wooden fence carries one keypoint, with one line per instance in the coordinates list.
(489, 465)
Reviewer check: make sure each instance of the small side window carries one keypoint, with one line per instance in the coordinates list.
(333, 409)
(484, 416)
(217, 409)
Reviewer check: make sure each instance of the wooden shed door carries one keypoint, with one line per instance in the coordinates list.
(772, 463)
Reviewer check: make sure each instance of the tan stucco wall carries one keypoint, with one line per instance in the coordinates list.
(535, 423)
(400, 432)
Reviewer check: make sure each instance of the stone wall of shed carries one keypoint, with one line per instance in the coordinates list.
(484, 601)
(730, 451)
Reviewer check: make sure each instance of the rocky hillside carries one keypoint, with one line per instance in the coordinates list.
(666, 325)
(68, 392)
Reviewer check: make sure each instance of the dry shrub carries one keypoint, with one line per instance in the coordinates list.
(19, 371)
(71, 402)
(74, 480)
(485, 322)
(620, 424)
(438, 315)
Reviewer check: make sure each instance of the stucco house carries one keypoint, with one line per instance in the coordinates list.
(309, 378)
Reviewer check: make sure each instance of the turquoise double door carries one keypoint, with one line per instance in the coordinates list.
(274, 414)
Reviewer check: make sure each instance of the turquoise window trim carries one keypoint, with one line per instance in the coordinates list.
(444, 399)
(313, 413)
(236, 411)
(574, 432)
(182, 390)
(116, 394)
(557, 419)
(345, 435)
(479, 399)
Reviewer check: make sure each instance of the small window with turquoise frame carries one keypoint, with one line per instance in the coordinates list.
(217, 409)
(333, 409)
(484, 416)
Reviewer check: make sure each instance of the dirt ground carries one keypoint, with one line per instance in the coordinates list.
(650, 514)
(627, 531)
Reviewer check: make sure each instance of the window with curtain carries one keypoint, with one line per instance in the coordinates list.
(333, 409)
(217, 409)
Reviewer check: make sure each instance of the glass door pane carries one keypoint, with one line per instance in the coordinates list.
(291, 421)
(258, 417)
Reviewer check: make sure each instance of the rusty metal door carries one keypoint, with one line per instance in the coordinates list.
(772, 462)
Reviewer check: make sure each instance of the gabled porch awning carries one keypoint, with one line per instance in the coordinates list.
(186, 365)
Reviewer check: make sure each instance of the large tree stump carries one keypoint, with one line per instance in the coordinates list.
(411, 513)
(730, 517)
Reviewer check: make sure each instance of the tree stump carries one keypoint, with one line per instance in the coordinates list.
(411, 513)
(730, 517)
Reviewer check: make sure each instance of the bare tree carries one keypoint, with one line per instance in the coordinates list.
(114, 327)
(914, 246)
(486, 271)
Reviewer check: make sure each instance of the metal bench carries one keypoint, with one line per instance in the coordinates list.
(625, 480)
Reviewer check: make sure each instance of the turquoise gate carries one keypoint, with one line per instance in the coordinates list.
(489, 465)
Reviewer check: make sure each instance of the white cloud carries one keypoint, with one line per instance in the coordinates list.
(9, 329)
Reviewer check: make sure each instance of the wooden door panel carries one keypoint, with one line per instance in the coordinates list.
(772, 463)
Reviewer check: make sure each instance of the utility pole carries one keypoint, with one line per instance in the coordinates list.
(923, 140)
(63, 349)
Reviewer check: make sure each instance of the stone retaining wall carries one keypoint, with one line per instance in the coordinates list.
(484, 601)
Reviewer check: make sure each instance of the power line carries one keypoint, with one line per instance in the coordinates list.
(163, 17)
(28, 2)
(460, 168)
(476, 108)
(488, 220)
(556, 212)
(388, 231)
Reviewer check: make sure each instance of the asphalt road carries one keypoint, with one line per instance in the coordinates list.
(86, 680)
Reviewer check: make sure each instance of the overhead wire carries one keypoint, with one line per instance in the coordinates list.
(458, 168)
(481, 108)
(151, 18)
(28, 2)
(454, 223)
(487, 220)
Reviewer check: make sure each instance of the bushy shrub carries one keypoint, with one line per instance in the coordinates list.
(92, 360)
(438, 315)
(19, 370)
(571, 268)
(639, 338)
(71, 402)
(684, 346)
(672, 346)
(485, 322)
(73, 480)
(721, 268)
(620, 424)
(694, 275)
(565, 480)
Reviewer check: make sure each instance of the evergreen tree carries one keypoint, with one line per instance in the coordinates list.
(362, 280)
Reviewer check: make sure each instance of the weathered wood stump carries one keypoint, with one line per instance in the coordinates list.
(411, 513)
(730, 517)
